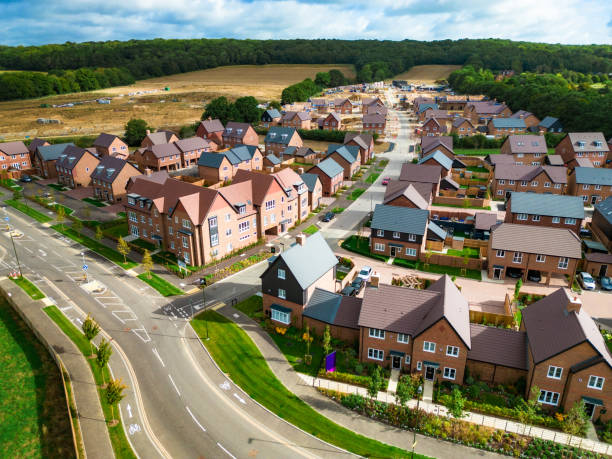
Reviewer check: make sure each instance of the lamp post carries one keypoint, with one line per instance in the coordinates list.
(84, 266)
(203, 285)
(6, 219)
(419, 390)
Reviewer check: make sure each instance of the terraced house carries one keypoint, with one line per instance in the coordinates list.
(499, 127)
(481, 112)
(365, 142)
(75, 166)
(593, 185)
(45, 157)
(191, 149)
(374, 123)
(526, 149)
(158, 138)
(297, 120)
(330, 174)
(586, 145)
(536, 179)
(158, 157)
(443, 143)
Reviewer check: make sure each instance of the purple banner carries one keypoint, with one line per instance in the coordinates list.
(330, 362)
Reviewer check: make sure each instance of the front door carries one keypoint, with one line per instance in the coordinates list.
(283, 227)
(497, 272)
(393, 251)
(397, 362)
(594, 199)
(590, 409)
(603, 270)
(429, 373)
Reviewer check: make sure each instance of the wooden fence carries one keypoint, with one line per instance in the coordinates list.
(450, 260)
(471, 202)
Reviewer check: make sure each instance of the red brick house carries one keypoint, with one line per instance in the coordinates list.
(14, 156)
(529, 118)
(239, 134)
(271, 117)
(330, 174)
(542, 209)
(278, 139)
(75, 166)
(443, 143)
(297, 120)
(297, 191)
(346, 156)
(212, 130)
(375, 123)
(480, 112)
(365, 142)
(422, 173)
(165, 156)
(344, 106)
(500, 127)
(191, 149)
(44, 159)
(34, 144)
(592, 184)
(369, 102)
(462, 127)
(526, 149)
(158, 138)
(589, 145)
(222, 166)
(432, 127)
(537, 179)
(111, 145)
(408, 194)
(331, 122)
(110, 177)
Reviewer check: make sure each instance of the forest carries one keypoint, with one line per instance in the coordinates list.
(582, 102)
(373, 59)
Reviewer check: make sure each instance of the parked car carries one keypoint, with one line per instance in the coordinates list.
(605, 282)
(386, 181)
(585, 233)
(515, 273)
(349, 290)
(329, 216)
(25, 178)
(358, 284)
(534, 276)
(587, 282)
(365, 273)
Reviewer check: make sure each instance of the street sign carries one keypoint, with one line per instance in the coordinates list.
(182, 264)
(85, 267)
(202, 281)
(6, 219)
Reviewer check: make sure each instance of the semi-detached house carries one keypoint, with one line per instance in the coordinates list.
(508, 178)
(75, 166)
(585, 145)
(158, 157)
(111, 145)
(593, 185)
(330, 174)
(222, 166)
(278, 139)
(525, 149)
(110, 177)
(347, 156)
(15, 156)
(45, 157)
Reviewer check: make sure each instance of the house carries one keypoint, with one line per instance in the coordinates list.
(539, 209)
(270, 117)
(418, 331)
(330, 174)
(523, 248)
(297, 191)
(408, 194)
(421, 107)
(271, 161)
(34, 144)
(365, 142)
(500, 127)
(590, 145)
(481, 112)
(550, 124)
(554, 160)
(75, 166)
(296, 120)
(338, 312)
(212, 130)
(110, 177)
(438, 158)
(598, 264)
(443, 143)
(331, 122)
(525, 149)
(191, 149)
(592, 184)
(239, 134)
(315, 189)
(455, 105)
(372, 109)
(14, 156)
(601, 223)
(422, 173)
(401, 232)
(278, 139)
(432, 127)
(321, 105)
(304, 155)
(223, 165)
(158, 138)
(369, 102)
(164, 156)
(462, 127)
(111, 145)
(344, 106)
(529, 118)
(347, 156)
(374, 123)
(292, 277)
(45, 158)
(568, 358)
(537, 179)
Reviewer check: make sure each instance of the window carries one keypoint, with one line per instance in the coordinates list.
(500, 192)
(511, 182)
(546, 184)
(214, 239)
(282, 293)
(548, 397)
(281, 273)
(172, 245)
(597, 187)
(419, 366)
(517, 258)
(453, 351)
(228, 217)
(536, 218)
(428, 346)
(563, 262)
(185, 242)
(501, 182)
(375, 354)
(521, 216)
(596, 382)
(133, 217)
(186, 224)
(212, 222)
(379, 247)
(501, 253)
(412, 237)
(585, 198)
(523, 183)
(534, 183)
(243, 226)
(396, 235)
(570, 221)
(134, 230)
(170, 230)
(403, 338)
(556, 219)
(557, 185)
(411, 252)
(186, 257)
(228, 232)
(377, 333)
(449, 373)
(380, 233)
(554, 372)
(280, 316)
(540, 258)
(270, 204)
(585, 187)
(408, 360)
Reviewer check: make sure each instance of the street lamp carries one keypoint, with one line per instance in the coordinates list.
(6, 219)
(419, 390)
(84, 267)
(203, 285)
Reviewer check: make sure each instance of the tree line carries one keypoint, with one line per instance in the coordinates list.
(581, 102)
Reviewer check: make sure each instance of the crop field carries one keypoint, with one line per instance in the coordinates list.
(182, 104)
(427, 73)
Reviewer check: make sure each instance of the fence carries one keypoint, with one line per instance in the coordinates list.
(450, 260)
(460, 202)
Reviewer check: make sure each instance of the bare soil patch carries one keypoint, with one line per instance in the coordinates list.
(427, 73)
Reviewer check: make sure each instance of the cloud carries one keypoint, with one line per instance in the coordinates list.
(33, 22)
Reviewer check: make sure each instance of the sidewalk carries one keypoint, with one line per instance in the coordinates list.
(91, 418)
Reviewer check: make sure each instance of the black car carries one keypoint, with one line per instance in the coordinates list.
(349, 290)
(534, 276)
(329, 216)
(358, 284)
(514, 273)
(25, 179)
(585, 232)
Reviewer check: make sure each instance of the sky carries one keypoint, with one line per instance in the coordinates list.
(35, 22)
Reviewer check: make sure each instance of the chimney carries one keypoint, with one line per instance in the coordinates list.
(148, 131)
(301, 239)
(300, 170)
(574, 304)
(147, 172)
(374, 280)
(209, 118)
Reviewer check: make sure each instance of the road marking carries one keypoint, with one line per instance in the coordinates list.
(66, 308)
(225, 385)
(239, 398)
(133, 429)
(158, 357)
(137, 331)
(175, 388)
(195, 420)
(226, 451)
(129, 410)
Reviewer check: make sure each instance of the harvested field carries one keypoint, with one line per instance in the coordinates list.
(427, 73)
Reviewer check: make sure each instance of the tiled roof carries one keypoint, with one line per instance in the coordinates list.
(191, 144)
(557, 174)
(599, 257)
(593, 175)
(310, 180)
(375, 118)
(431, 143)
(552, 205)
(437, 230)
(278, 134)
(605, 209)
(521, 114)
(261, 183)
(459, 121)
(420, 173)
(350, 153)
(440, 114)
(109, 167)
(273, 113)
(484, 220)
(323, 306)
(400, 219)
(448, 180)
(508, 123)
(498, 346)
(396, 188)
(440, 158)
(303, 116)
(160, 137)
(363, 140)
(487, 107)
(273, 159)
(104, 140)
(555, 160)
(330, 168)
(527, 143)
(236, 130)
(583, 162)
(52, 152)
(288, 178)
(35, 143)
(548, 121)
(593, 141)
(212, 125)
(70, 157)
(163, 150)
(209, 159)
(13, 148)
(536, 239)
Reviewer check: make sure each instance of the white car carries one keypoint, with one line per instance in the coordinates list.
(365, 273)
(587, 282)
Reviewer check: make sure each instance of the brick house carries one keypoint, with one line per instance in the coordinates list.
(305, 155)
(402, 232)
(344, 106)
(347, 156)
(278, 139)
(480, 112)
(165, 156)
(270, 162)
(598, 264)
(297, 120)
(297, 191)
(14, 156)
(330, 174)
(421, 107)
(340, 313)
(550, 124)
(223, 165)
(331, 122)
(110, 177)
(45, 158)
(291, 278)
(239, 134)
(211, 130)
(432, 112)
(271, 117)
(462, 127)
(191, 148)
(315, 189)
(601, 223)
(371, 102)
(432, 127)
(111, 145)
(538, 248)
(589, 145)
(570, 366)
(422, 173)
(537, 179)
(500, 127)
(374, 123)
(408, 194)
(529, 118)
(593, 185)
(539, 209)
(321, 105)
(158, 138)
(443, 143)
(526, 149)
(34, 144)
(437, 157)
(365, 142)
(455, 105)
(75, 166)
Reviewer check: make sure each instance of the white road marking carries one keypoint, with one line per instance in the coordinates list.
(129, 410)
(25, 248)
(137, 331)
(158, 357)
(225, 385)
(66, 308)
(175, 388)
(195, 420)
(239, 398)
(226, 451)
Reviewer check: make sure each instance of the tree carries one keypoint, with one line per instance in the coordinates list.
(114, 394)
(375, 382)
(323, 79)
(99, 234)
(403, 392)
(104, 354)
(147, 263)
(246, 110)
(527, 409)
(337, 78)
(326, 340)
(123, 248)
(77, 225)
(135, 131)
(454, 405)
(61, 215)
(576, 419)
(517, 289)
(220, 108)
(90, 330)
(275, 104)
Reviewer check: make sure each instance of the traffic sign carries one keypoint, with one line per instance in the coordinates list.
(182, 264)
(85, 267)
(6, 219)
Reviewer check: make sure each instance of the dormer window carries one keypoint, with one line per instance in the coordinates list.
(229, 130)
(598, 143)
(239, 131)
(580, 144)
(242, 209)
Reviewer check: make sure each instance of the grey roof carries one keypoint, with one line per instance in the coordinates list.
(548, 121)
(400, 219)
(495, 159)
(427, 105)
(236, 130)
(484, 220)
(593, 175)
(605, 209)
(498, 346)
(436, 230)
(191, 144)
(526, 143)
(583, 162)
(272, 113)
(104, 140)
(303, 116)
(426, 173)
(310, 180)
(109, 167)
(554, 160)
(543, 240)
(235, 156)
(52, 152)
(302, 151)
(160, 137)
(310, 261)
(486, 107)
(273, 159)
(459, 121)
(212, 125)
(279, 134)
(350, 153)
(451, 182)
(164, 149)
(440, 158)
(544, 320)
(508, 123)
(70, 157)
(590, 140)
(521, 114)
(323, 306)
(208, 159)
(35, 143)
(374, 118)
(552, 205)
(330, 167)
(599, 257)
(13, 148)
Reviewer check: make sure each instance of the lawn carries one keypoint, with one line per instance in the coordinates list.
(58, 187)
(118, 439)
(161, 285)
(67, 210)
(338, 210)
(477, 169)
(438, 269)
(362, 247)
(252, 307)
(11, 183)
(462, 207)
(383, 162)
(28, 287)
(35, 214)
(310, 230)
(33, 412)
(94, 202)
(372, 178)
(355, 193)
(120, 229)
(469, 251)
(96, 246)
(238, 357)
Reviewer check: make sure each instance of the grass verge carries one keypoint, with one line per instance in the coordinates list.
(362, 247)
(310, 230)
(338, 210)
(164, 287)
(35, 214)
(355, 194)
(74, 414)
(120, 443)
(28, 287)
(238, 356)
(94, 202)
(372, 178)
